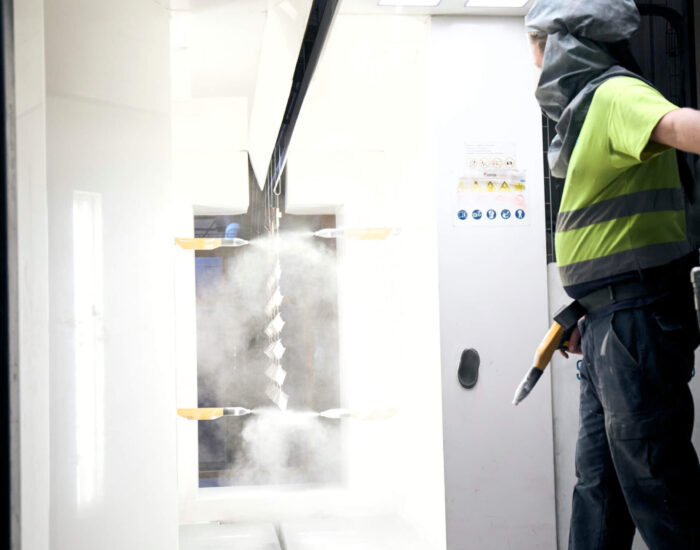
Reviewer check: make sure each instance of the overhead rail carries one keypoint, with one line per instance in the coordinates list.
(320, 21)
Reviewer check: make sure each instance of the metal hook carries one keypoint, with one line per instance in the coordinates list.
(277, 189)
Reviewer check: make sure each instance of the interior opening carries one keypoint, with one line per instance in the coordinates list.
(269, 446)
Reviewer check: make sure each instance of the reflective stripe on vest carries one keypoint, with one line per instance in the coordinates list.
(626, 233)
(623, 262)
(653, 200)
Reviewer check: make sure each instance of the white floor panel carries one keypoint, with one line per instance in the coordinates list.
(350, 534)
(227, 536)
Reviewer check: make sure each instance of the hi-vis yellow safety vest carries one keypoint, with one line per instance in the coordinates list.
(623, 207)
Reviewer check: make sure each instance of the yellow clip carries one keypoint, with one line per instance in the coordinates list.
(202, 413)
(198, 244)
(369, 233)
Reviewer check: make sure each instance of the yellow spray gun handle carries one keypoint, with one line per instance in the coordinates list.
(543, 356)
(548, 346)
(561, 329)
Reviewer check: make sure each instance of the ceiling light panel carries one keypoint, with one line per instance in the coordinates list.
(410, 3)
(496, 3)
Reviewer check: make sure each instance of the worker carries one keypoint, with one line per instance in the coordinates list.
(623, 253)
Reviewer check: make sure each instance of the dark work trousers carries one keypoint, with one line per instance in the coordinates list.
(635, 462)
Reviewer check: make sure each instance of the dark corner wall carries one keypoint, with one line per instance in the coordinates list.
(9, 383)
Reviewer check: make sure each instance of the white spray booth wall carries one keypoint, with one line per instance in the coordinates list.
(113, 478)
(493, 294)
(33, 252)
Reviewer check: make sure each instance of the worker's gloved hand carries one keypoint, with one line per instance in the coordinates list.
(574, 344)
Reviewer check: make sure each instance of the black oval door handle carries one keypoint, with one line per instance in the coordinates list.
(468, 372)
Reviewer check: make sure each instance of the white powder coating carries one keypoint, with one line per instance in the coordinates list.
(276, 373)
(275, 350)
(274, 327)
(277, 396)
(274, 303)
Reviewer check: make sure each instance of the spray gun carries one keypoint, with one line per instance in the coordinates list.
(212, 413)
(557, 337)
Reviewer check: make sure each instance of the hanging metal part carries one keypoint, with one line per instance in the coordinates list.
(275, 350)
(274, 303)
(274, 327)
(318, 25)
(276, 373)
(277, 396)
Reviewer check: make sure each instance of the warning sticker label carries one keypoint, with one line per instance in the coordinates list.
(493, 190)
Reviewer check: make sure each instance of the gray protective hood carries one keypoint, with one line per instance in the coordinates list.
(577, 60)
